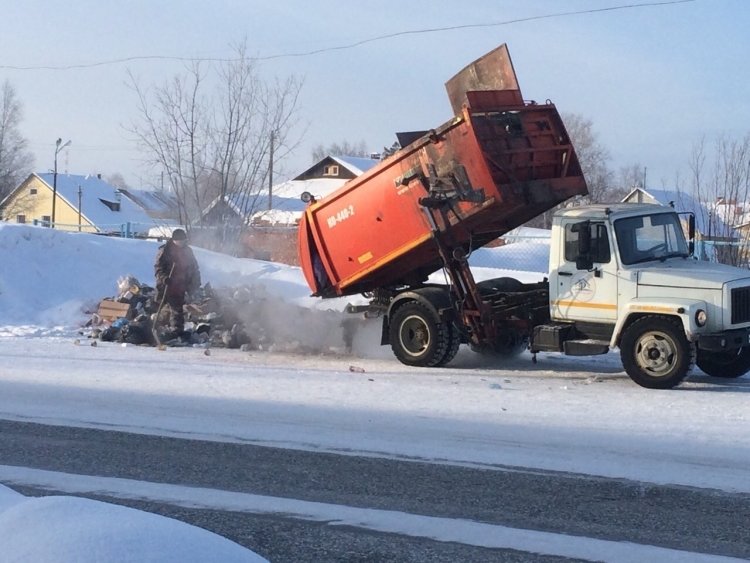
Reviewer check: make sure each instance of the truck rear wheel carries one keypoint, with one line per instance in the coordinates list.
(418, 337)
(508, 345)
(454, 342)
(655, 352)
(725, 364)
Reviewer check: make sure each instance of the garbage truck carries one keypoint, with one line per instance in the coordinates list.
(621, 276)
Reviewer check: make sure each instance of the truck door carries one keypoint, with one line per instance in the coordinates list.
(584, 285)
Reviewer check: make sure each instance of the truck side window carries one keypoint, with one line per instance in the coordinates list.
(600, 253)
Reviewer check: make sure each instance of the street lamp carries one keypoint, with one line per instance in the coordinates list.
(59, 145)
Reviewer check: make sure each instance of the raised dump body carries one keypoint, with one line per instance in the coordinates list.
(496, 164)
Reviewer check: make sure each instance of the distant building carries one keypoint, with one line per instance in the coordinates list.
(83, 203)
(709, 224)
(263, 229)
(322, 178)
(286, 207)
(158, 204)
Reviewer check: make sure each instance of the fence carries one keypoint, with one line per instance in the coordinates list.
(514, 253)
(125, 230)
(735, 253)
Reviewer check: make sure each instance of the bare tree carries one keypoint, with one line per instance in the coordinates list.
(631, 176)
(173, 132)
(217, 141)
(593, 157)
(15, 160)
(720, 182)
(251, 133)
(344, 148)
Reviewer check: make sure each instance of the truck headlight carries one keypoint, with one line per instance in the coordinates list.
(701, 317)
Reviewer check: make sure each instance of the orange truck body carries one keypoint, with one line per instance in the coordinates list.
(513, 158)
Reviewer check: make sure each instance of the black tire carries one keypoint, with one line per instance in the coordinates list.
(507, 346)
(495, 285)
(454, 342)
(725, 364)
(655, 352)
(418, 337)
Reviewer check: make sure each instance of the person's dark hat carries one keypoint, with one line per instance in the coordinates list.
(179, 234)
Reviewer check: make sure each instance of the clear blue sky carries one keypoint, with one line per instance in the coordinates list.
(652, 79)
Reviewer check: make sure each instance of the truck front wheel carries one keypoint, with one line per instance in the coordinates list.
(655, 352)
(418, 337)
(725, 364)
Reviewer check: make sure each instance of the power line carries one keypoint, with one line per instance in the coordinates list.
(345, 46)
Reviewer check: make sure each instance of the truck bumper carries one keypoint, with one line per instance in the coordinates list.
(727, 340)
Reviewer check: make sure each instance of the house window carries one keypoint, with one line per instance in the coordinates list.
(20, 218)
(32, 191)
(46, 220)
(331, 170)
(113, 205)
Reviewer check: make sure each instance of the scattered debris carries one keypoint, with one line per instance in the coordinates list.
(590, 380)
(246, 318)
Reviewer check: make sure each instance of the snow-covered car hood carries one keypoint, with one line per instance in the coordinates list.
(689, 273)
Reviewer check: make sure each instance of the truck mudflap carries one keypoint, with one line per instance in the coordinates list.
(724, 341)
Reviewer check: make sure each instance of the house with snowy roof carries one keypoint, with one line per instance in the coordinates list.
(709, 224)
(322, 178)
(158, 204)
(82, 203)
(272, 218)
(285, 207)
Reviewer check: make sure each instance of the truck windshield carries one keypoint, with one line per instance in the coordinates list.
(650, 237)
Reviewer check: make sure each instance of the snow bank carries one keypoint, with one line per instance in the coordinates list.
(52, 281)
(58, 529)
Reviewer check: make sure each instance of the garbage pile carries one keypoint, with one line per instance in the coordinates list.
(244, 317)
(134, 316)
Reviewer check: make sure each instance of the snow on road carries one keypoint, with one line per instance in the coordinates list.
(559, 414)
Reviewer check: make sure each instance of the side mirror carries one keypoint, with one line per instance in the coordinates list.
(691, 234)
(584, 260)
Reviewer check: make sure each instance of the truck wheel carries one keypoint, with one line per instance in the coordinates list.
(507, 346)
(418, 336)
(655, 352)
(495, 285)
(725, 364)
(454, 342)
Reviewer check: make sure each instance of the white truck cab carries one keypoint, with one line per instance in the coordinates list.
(623, 275)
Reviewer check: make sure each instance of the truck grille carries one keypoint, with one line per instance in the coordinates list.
(740, 305)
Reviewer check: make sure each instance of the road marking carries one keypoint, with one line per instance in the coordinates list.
(456, 530)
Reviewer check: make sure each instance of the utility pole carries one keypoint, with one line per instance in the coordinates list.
(59, 145)
(270, 175)
(80, 193)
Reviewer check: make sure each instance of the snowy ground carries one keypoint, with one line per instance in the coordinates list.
(567, 414)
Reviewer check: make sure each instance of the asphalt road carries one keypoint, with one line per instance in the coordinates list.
(695, 520)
